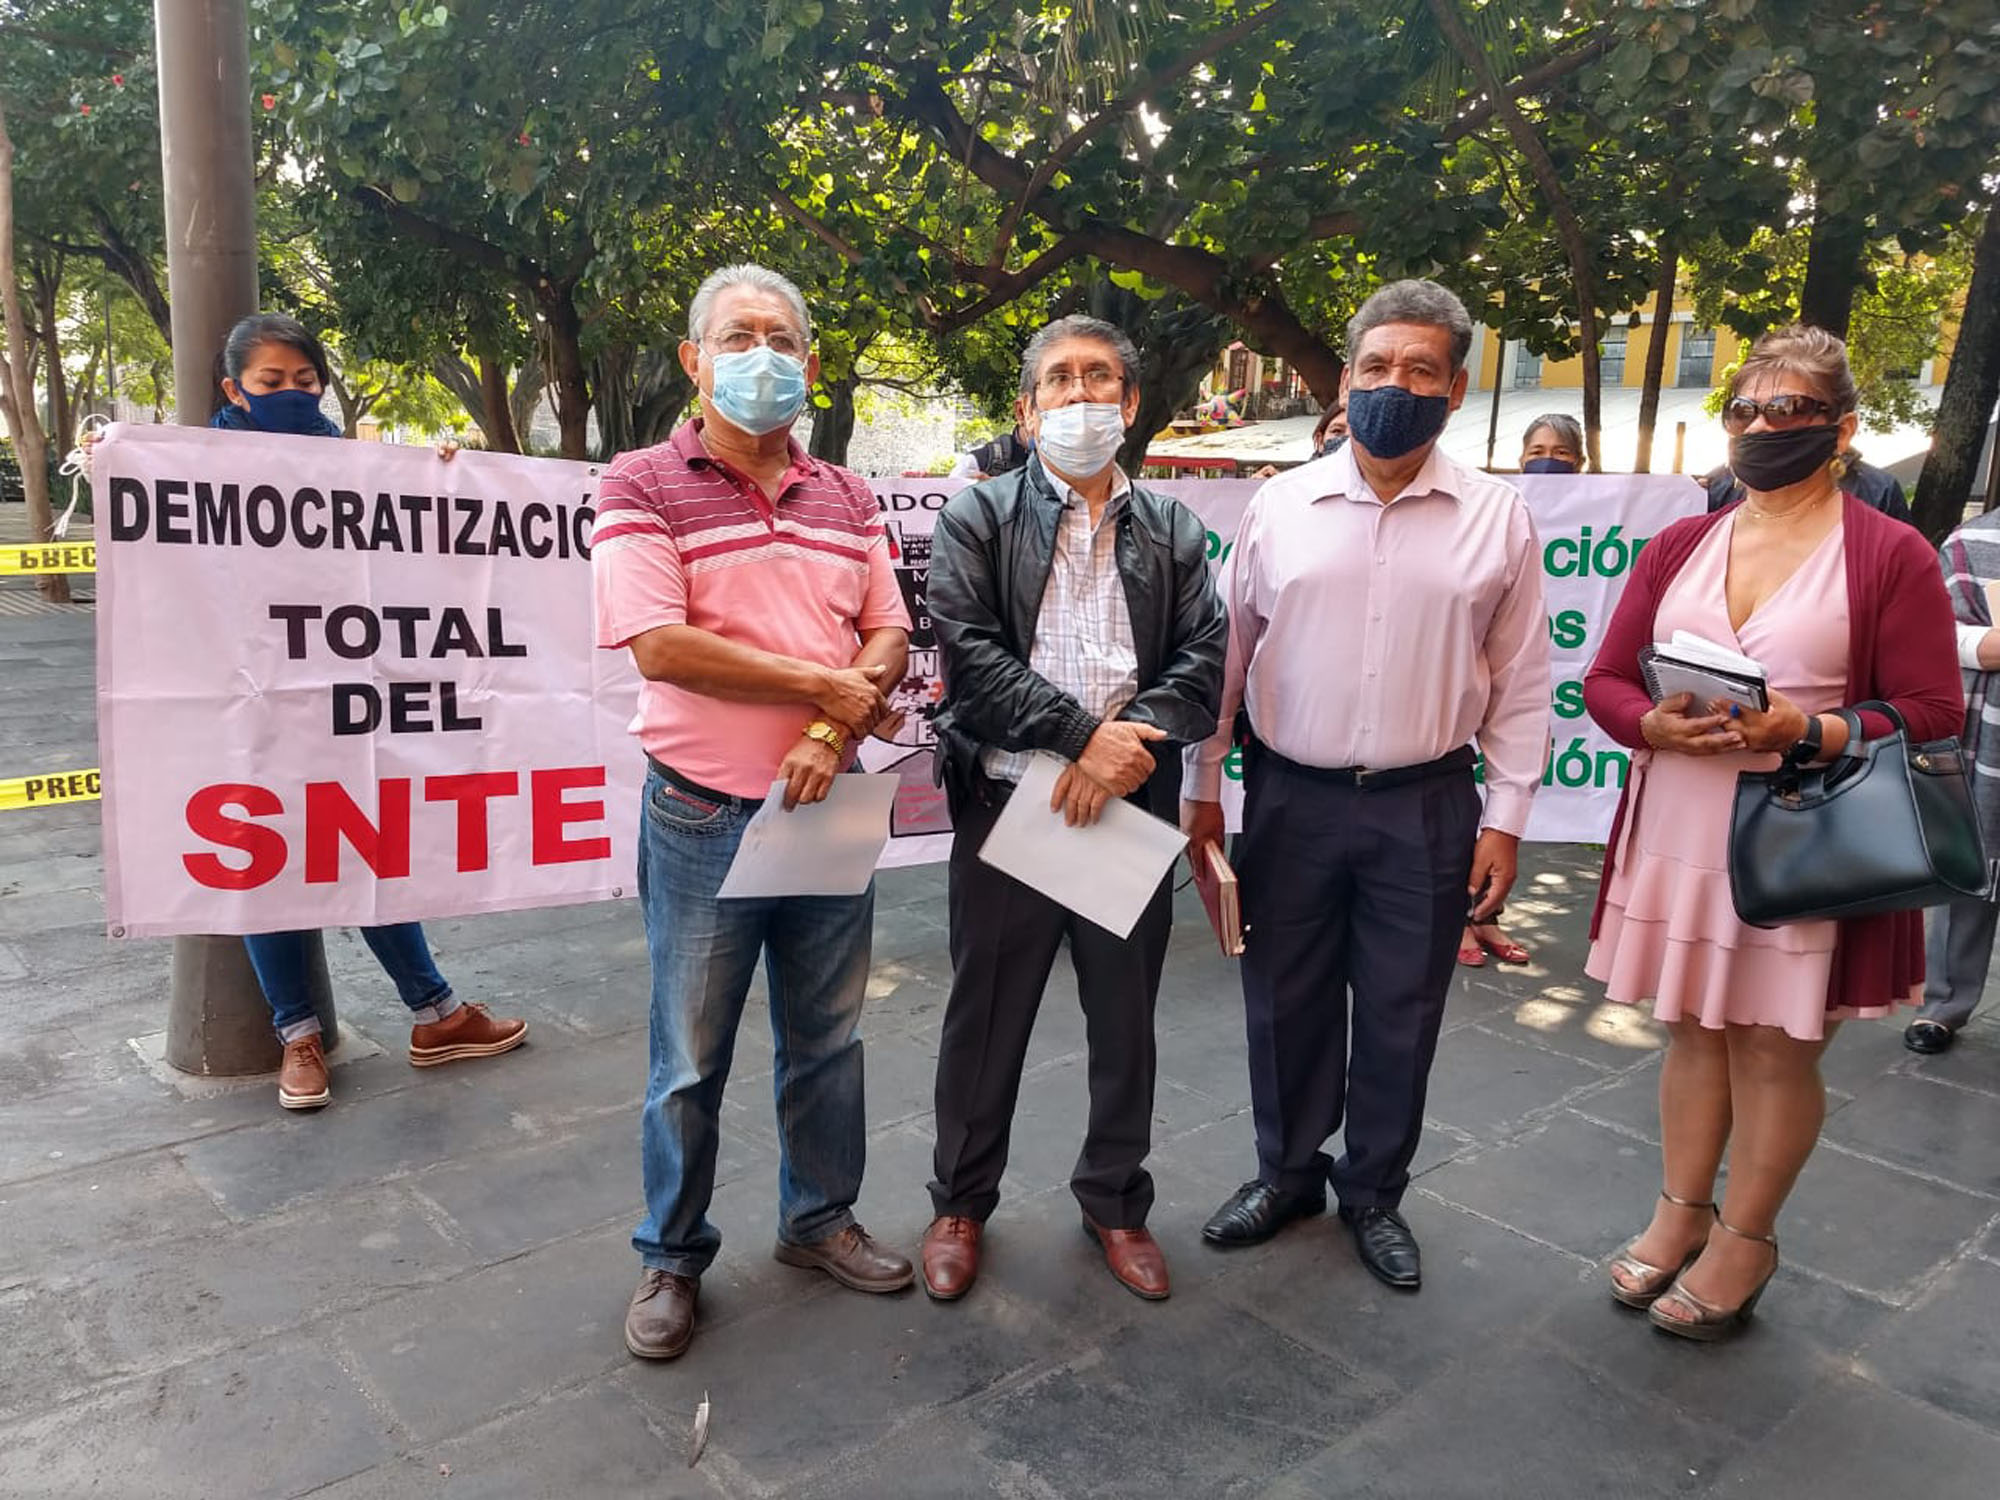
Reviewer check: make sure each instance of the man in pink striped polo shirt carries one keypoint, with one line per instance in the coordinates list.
(752, 585)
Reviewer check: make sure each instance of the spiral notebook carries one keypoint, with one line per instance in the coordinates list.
(1690, 663)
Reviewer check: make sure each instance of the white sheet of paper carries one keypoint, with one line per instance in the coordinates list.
(824, 848)
(1105, 873)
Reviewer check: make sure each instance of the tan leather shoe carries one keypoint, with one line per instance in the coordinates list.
(1134, 1258)
(469, 1031)
(302, 1075)
(660, 1322)
(951, 1256)
(851, 1258)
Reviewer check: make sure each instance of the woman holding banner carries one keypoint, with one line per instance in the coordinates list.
(275, 374)
(1840, 605)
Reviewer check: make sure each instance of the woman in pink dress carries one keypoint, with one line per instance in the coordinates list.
(1840, 604)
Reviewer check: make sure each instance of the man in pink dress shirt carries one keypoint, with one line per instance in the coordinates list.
(752, 585)
(1385, 612)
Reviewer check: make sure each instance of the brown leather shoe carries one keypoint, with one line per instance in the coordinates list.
(660, 1322)
(302, 1075)
(851, 1258)
(468, 1031)
(1134, 1258)
(951, 1256)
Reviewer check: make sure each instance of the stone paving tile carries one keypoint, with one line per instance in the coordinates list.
(52, 1223)
(1853, 1437)
(591, 1443)
(428, 1357)
(1875, 1228)
(1471, 1434)
(254, 1171)
(1946, 1351)
(43, 1364)
(802, 1391)
(1934, 1128)
(1144, 1412)
(1486, 1084)
(274, 1420)
(140, 1309)
(1567, 1182)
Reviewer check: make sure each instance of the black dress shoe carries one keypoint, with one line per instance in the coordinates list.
(1256, 1211)
(1386, 1245)
(1928, 1037)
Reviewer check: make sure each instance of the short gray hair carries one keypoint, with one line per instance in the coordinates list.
(1414, 302)
(745, 274)
(1568, 431)
(1077, 326)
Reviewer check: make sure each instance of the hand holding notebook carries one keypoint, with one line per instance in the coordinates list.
(1693, 664)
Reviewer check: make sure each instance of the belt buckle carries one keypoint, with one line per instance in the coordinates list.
(1362, 776)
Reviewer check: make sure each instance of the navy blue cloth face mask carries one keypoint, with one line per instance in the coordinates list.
(1548, 466)
(295, 412)
(1389, 421)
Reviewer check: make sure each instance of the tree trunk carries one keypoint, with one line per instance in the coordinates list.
(1656, 348)
(1569, 226)
(136, 269)
(1833, 272)
(529, 382)
(17, 381)
(833, 424)
(1177, 342)
(46, 278)
(563, 346)
(1971, 386)
(498, 424)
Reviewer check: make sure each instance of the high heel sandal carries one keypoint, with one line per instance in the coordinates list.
(1648, 1283)
(1711, 1324)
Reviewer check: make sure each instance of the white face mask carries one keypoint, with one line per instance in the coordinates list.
(1080, 439)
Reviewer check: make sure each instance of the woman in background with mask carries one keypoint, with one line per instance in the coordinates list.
(1553, 444)
(274, 376)
(1840, 605)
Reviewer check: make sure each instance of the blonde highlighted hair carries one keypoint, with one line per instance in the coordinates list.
(1819, 356)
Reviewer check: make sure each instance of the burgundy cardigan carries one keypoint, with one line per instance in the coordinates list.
(1901, 648)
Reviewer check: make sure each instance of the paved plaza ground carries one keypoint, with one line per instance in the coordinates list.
(418, 1292)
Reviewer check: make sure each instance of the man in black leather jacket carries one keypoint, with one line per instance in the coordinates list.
(1076, 617)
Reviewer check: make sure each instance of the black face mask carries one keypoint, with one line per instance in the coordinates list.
(1767, 461)
(1548, 466)
(1331, 445)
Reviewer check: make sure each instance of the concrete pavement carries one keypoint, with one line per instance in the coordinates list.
(418, 1291)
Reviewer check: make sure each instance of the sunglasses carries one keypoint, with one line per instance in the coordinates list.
(1779, 411)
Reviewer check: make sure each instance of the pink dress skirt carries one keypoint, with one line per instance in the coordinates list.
(1669, 932)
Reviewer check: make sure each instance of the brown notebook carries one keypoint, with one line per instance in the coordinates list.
(1217, 884)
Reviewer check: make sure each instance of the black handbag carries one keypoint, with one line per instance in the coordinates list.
(1886, 826)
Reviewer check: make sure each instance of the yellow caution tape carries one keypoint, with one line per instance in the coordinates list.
(48, 557)
(52, 790)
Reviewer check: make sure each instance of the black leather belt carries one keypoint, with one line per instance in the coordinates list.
(674, 778)
(1364, 778)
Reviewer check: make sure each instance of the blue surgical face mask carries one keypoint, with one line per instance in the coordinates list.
(295, 412)
(1548, 466)
(1389, 421)
(758, 390)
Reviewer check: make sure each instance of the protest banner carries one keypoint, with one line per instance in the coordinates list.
(350, 683)
(1589, 527)
(355, 683)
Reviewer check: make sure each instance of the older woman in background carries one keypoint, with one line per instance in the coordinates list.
(1841, 605)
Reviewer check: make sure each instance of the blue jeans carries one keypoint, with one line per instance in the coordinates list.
(704, 954)
(280, 961)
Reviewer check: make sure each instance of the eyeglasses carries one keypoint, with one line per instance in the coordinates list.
(1779, 411)
(1098, 383)
(737, 340)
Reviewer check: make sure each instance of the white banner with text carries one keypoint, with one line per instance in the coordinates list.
(354, 683)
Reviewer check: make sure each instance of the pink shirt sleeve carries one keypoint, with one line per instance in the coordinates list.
(1514, 736)
(1201, 774)
(637, 580)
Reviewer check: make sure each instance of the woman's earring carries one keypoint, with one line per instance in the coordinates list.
(1837, 466)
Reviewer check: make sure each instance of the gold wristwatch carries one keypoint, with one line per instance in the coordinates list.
(826, 734)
